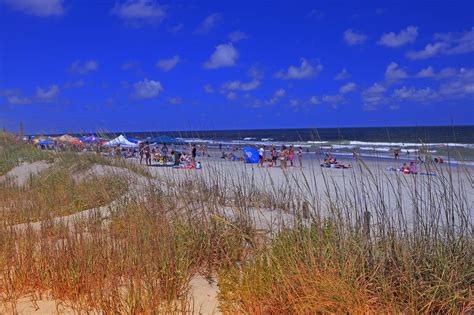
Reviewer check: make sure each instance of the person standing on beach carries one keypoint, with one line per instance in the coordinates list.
(261, 154)
(397, 154)
(291, 155)
(140, 151)
(283, 157)
(300, 156)
(193, 153)
(147, 151)
(274, 156)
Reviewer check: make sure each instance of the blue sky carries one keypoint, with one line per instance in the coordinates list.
(138, 65)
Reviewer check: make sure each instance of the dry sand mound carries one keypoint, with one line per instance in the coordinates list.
(21, 174)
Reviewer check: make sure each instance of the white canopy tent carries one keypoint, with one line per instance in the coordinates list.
(122, 142)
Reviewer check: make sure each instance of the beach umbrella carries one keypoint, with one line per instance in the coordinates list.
(251, 155)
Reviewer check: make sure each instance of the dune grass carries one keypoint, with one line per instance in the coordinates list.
(13, 153)
(370, 242)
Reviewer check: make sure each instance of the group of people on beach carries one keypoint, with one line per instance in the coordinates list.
(285, 156)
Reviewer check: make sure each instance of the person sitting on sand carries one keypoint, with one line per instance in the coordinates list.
(412, 167)
(405, 168)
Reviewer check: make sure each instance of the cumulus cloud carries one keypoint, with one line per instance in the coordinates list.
(208, 88)
(306, 70)
(175, 100)
(343, 75)
(426, 73)
(168, 64)
(423, 95)
(347, 88)
(147, 89)
(237, 36)
(276, 96)
(209, 23)
(405, 36)
(231, 96)
(47, 94)
(15, 97)
(373, 96)
(352, 37)
(83, 67)
(459, 86)
(446, 44)
(241, 86)
(225, 55)
(313, 100)
(334, 100)
(394, 72)
(139, 12)
(40, 8)
(443, 74)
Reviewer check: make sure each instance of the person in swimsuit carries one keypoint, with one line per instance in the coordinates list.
(291, 155)
(274, 156)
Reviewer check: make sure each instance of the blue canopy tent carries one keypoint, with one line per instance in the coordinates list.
(164, 139)
(251, 155)
(46, 142)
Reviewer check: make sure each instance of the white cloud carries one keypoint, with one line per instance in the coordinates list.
(47, 94)
(139, 11)
(305, 71)
(17, 100)
(423, 95)
(405, 36)
(352, 37)
(394, 72)
(446, 44)
(334, 100)
(313, 100)
(276, 96)
(347, 88)
(208, 88)
(83, 67)
(426, 73)
(175, 100)
(209, 22)
(237, 36)
(295, 102)
(147, 89)
(279, 93)
(231, 96)
(343, 75)
(373, 96)
(241, 86)
(459, 86)
(445, 73)
(37, 7)
(225, 55)
(168, 64)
